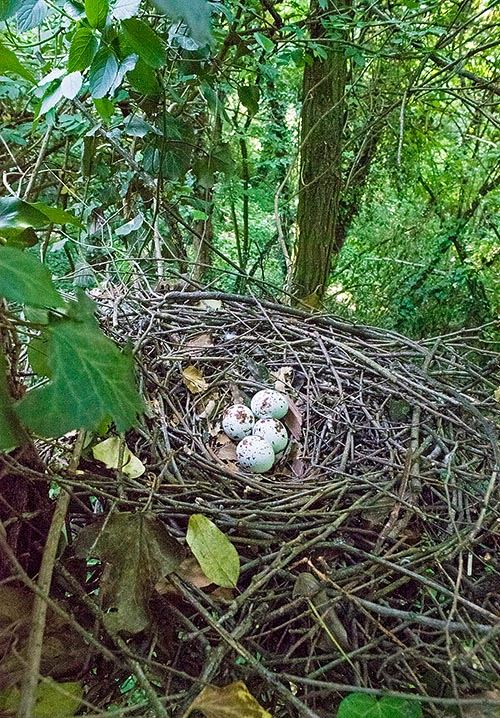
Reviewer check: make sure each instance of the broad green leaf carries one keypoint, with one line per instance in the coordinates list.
(96, 12)
(10, 63)
(8, 8)
(25, 280)
(249, 97)
(195, 14)
(232, 701)
(139, 550)
(90, 380)
(38, 351)
(110, 451)
(53, 699)
(55, 215)
(31, 13)
(103, 72)
(144, 80)
(82, 49)
(122, 9)
(265, 43)
(215, 553)
(361, 705)
(17, 214)
(143, 40)
(71, 84)
(21, 238)
(11, 431)
(104, 108)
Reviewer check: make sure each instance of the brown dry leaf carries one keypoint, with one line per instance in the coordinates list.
(194, 379)
(222, 595)
(190, 571)
(227, 452)
(293, 419)
(232, 701)
(200, 341)
(323, 611)
(284, 378)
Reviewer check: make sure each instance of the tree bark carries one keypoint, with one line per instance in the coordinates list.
(323, 117)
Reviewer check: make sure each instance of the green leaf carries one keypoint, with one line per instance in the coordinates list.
(104, 108)
(122, 9)
(55, 215)
(103, 72)
(96, 12)
(11, 432)
(90, 379)
(38, 350)
(143, 40)
(265, 43)
(8, 8)
(215, 553)
(10, 63)
(17, 214)
(82, 49)
(139, 550)
(144, 80)
(25, 280)
(31, 13)
(249, 96)
(361, 705)
(53, 699)
(21, 238)
(195, 14)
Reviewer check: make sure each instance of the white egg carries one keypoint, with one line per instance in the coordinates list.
(238, 421)
(273, 431)
(269, 403)
(255, 454)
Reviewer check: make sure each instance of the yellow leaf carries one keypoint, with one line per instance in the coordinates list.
(194, 380)
(108, 452)
(232, 701)
(53, 700)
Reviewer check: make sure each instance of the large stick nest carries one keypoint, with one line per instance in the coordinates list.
(368, 554)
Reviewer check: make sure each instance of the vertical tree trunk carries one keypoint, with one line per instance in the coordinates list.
(323, 114)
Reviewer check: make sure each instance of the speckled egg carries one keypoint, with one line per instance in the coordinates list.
(238, 421)
(269, 403)
(255, 454)
(273, 431)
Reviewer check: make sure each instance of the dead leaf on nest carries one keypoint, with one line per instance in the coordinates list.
(194, 379)
(212, 304)
(293, 419)
(111, 453)
(227, 452)
(190, 571)
(284, 378)
(232, 701)
(200, 341)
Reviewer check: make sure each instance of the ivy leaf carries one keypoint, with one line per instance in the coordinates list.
(31, 14)
(195, 14)
(143, 40)
(123, 9)
(25, 280)
(11, 431)
(216, 554)
(103, 73)
(10, 63)
(361, 705)
(232, 701)
(82, 49)
(140, 550)
(96, 12)
(90, 379)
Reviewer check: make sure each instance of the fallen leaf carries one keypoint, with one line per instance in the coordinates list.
(190, 571)
(139, 550)
(216, 554)
(323, 611)
(53, 700)
(194, 379)
(108, 452)
(211, 304)
(293, 419)
(232, 701)
(284, 378)
(200, 341)
(227, 452)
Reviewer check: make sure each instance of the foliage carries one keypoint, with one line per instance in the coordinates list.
(360, 705)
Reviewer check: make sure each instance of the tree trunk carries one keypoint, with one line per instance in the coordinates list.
(323, 116)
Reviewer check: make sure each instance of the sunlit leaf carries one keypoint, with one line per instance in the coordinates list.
(194, 379)
(103, 72)
(55, 215)
(96, 12)
(361, 705)
(25, 280)
(139, 550)
(143, 40)
(122, 9)
(82, 49)
(109, 450)
(71, 84)
(232, 701)
(216, 554)
(91, 379)
(31, 13)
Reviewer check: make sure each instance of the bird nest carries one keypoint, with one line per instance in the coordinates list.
(368, 553)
